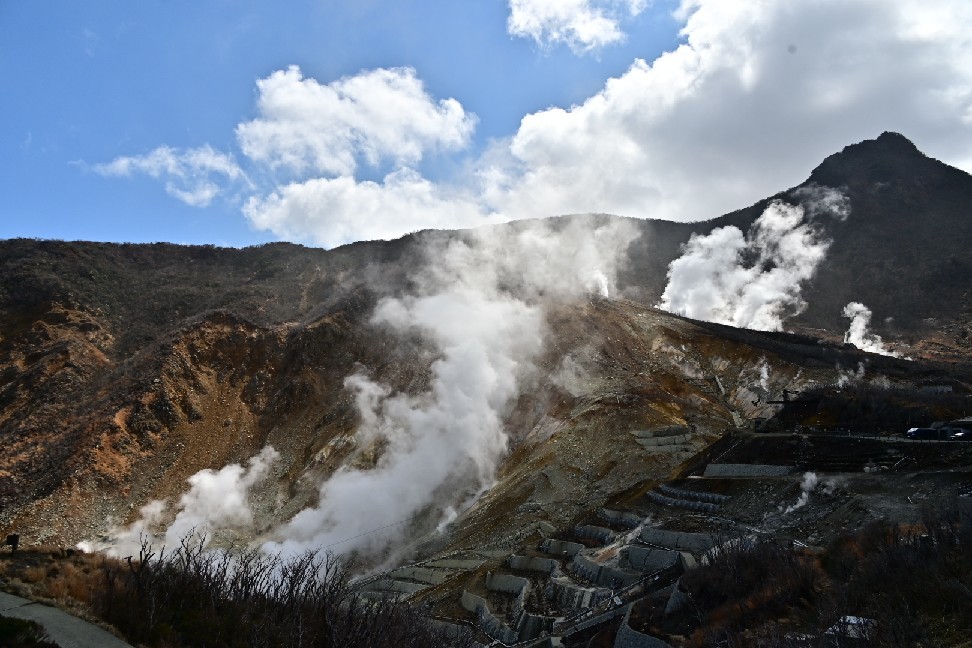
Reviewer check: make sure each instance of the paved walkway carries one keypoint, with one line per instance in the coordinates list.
(65, 630)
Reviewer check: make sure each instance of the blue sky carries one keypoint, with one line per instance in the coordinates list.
(515, 109)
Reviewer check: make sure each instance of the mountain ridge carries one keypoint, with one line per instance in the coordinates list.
(119, 363)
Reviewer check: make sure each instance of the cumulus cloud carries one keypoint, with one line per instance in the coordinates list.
(583, 25)
(333, 211)
(480, 306)
(757, 94)
(749, 281)
(376, 115)
(194, 176)
(858, 333)
(217, 500)
(754, 95)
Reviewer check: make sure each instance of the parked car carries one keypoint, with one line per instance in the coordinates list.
(959, 434)
(939, 434)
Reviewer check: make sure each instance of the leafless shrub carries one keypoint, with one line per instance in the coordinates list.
(196, 597)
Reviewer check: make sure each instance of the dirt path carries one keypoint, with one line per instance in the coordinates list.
(65, 630)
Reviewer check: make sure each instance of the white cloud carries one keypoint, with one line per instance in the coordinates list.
(584, 25)
(756, 96)
(333, 211)
(376, 115)
(190, 175)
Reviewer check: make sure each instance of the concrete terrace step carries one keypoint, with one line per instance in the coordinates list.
(662, 432)
(665, 447)
(680, 439)
(678, 540)
(561, 548)
(689, 505)
(571, 595)
(620, 519)
(681, 493)
(455, 563)
(648, 559)
(396, 586)
(604, 575)
(423, 574)
(533, 564)
(596, 533)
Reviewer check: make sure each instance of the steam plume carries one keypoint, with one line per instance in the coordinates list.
(750, 281)
(764, 375)
(857, 333)
(480, 305)
(845, 378)
(216, 500)
(811, 482)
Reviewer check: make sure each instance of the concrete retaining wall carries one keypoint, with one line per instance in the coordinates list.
(662, 431)
(619, 518)
(422, 574)
(601, 618)
(649, 560)
(677, 600)
(665, 440)
(471, 602)
(530, 626)
(747, 470)
(665, 447)
(401, 587)
(681, 493)
(629, 638)
(571, 595)
(456, 563)
(506, 583)
(561, 547)
(689, 505)
(533, 563)
(694, 542)
(601, 534)
(603, 575)
(488, 623)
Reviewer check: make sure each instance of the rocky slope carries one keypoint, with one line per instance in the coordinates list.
(126, 369)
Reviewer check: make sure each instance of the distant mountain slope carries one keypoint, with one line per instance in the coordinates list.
(124, 369)
(903, 251)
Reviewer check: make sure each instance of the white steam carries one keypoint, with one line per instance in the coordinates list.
(811, 482)
(846, 378)
(217, 500)
(446, 441)
(764, 374)
(820, 200)
(749, 281)
(857, 333)
(481, 306)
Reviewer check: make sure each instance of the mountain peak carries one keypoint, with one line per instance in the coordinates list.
(888, 157)
(892, 141)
